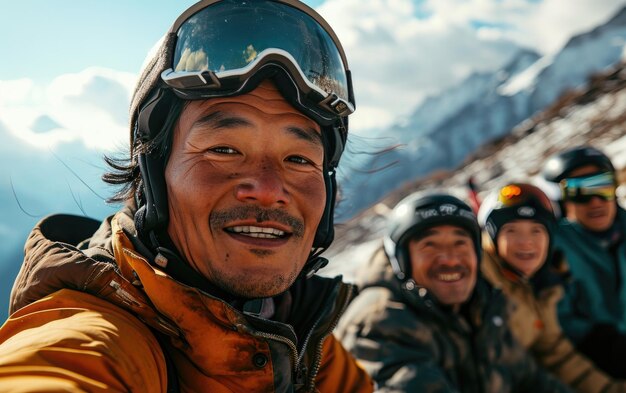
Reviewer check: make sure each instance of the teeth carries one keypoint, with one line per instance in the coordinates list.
(259, 232)
(450, 277)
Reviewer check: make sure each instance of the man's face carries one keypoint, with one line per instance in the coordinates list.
(444, 262)
(596, 215)
(524, 245)
(245, 190)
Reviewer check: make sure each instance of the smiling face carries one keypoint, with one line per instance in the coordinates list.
(246, 190)
(524, 245)
(443, 260)
(596, 215)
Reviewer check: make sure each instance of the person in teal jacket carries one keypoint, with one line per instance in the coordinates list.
(590, 236)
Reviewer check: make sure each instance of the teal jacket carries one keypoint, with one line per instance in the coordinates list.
(596, 293)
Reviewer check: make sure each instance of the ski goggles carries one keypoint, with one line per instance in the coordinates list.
(583, 189)
(226, 47)
(523, 195)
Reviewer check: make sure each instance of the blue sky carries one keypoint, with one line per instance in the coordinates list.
(406, 49)
(42, 39)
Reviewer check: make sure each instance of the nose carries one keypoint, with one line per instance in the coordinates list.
(448, 256)
(265, 186)
(524, 240)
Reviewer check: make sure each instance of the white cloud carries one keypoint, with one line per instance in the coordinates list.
(16, 92)
(400, 51)
(544, 25)
(398, 56)
(555, 21)
(90, 107)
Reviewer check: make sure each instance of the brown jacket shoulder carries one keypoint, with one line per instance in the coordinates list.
(534, 322)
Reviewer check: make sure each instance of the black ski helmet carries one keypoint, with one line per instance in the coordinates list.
(516, 201)
(418, 212)
(560, 165)
(220, 48)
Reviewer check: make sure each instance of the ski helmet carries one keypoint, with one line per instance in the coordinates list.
(516, 201)
(418, 212)
(219, 48)
(560, 165)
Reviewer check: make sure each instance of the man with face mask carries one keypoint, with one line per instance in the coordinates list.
(204, 281)
(425, 320)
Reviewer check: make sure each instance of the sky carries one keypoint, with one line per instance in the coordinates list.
(69, 67)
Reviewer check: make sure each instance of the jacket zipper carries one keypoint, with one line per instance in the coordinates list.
(296, 359)
(275, 337)
(318, 350)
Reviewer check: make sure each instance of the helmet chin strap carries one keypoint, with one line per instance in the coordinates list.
(313, 264)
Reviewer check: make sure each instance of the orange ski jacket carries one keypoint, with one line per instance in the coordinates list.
(88, 317)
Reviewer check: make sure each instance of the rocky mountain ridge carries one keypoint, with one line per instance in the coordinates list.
(594, 114)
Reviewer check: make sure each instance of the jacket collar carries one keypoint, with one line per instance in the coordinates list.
(108, 265)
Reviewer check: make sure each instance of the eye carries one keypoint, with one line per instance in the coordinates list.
(223, 150)
(462, 242)
(428, 244)
(298, 160)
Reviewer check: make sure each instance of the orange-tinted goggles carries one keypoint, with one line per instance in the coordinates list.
(523, 194)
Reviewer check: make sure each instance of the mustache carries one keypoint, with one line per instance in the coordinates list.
(219, 218)
(448, 270)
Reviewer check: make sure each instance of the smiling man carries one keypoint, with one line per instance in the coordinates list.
(426, 321)
(592, 237)
(251, 168)
(205, 280)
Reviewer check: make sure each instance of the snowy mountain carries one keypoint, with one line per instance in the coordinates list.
(592, 115)
(444, 129)
(583, 55)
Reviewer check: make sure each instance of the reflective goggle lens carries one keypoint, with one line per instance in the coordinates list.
(523, 194)
(583, 189)
(222, 45)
